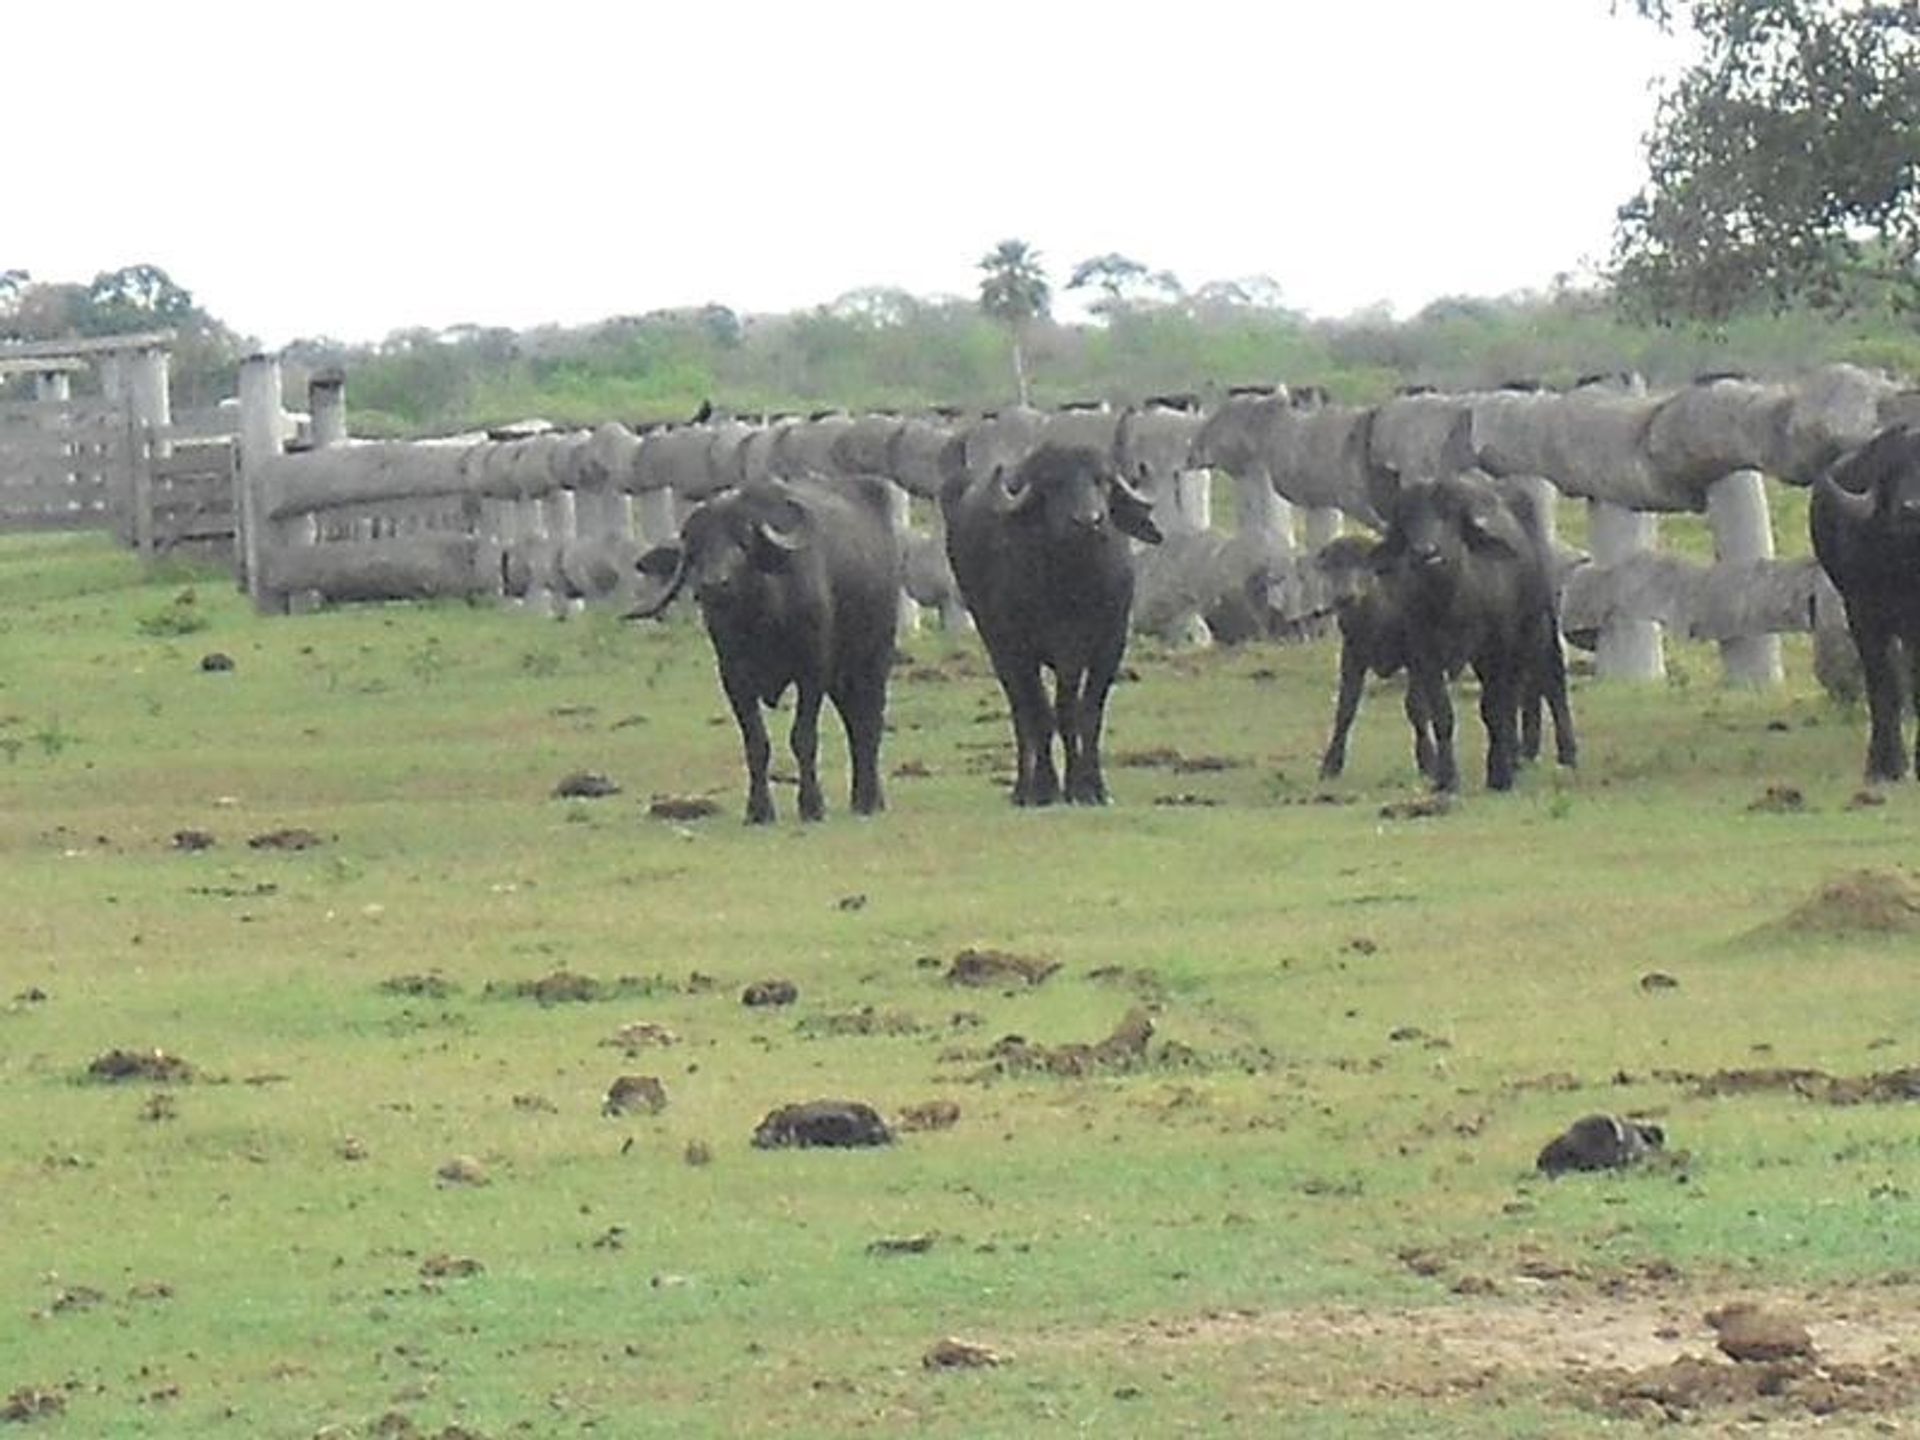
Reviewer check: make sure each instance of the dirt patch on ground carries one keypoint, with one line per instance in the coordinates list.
(1861, 902)
(866, 1020)
(1165, 757)
(292, 837)
(427, 985)
(1881, 1086)
(682, 807)
(570, 987)
(1124, 1049)
(986, 968)
(1648, 1354)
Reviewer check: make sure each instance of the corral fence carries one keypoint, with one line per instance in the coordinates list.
(554, 520)
(116, 461)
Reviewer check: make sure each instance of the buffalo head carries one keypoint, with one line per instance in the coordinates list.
(727, 546)
(1075, 492)
(1878, 484)
(1435, 522)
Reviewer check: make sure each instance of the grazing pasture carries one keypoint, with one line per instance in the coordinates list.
(384, 1182)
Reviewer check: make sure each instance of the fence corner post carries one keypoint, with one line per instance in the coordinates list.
(260, 442)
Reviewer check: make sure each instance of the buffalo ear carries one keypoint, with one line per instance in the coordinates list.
(660, 562)
(1490, 526)
(1133, 514)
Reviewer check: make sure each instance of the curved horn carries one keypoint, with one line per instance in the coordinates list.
(1121, 484)
(648, 611)
(789, 542)
(1006, 499)
(1852, 504)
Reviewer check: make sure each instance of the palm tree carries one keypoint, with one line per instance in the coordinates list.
(1015, 292)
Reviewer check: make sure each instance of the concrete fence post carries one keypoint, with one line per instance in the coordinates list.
(150, 404)
(1742, 533)
(658, 520)
(1321, 527)
(1628, 649)
(327, 409)
(900, 512)
(260, 441)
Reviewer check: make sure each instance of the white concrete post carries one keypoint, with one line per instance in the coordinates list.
(1193, 498)
(150, 403)
(1743, 532)
(536, 543)
(327, 409)
(1628, 649)
(259, 443)
(1322, 526)
(55, 387)
(900, 511)
(659, 521)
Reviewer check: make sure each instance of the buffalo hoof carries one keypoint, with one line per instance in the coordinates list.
(760, 812)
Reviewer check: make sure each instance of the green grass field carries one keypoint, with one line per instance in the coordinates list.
(1309, 1209)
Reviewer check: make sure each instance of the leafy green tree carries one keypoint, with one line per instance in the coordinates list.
(1784, 166)
(1126, 282)
(1014, 291)
(134, 298)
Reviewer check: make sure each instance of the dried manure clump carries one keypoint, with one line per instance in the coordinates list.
(832, 1124)
(1861, 902)
(151, 1065)
(984, 967)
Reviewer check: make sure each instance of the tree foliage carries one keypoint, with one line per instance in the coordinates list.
(1125, 283)
(1784, 165)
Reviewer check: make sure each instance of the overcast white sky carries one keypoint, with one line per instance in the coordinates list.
(353, 168)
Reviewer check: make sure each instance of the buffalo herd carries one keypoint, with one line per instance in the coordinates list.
(798, 581)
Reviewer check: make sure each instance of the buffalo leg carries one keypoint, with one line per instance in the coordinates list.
(862, 706)
(1565, 746)
(1353, 678)
(1421, 723)
(1427, 690)
(1092, 787)
(1886, 752)
(804, 741)
(1500, 714)
(745, 700)
(1036, 782)
(1070, 710)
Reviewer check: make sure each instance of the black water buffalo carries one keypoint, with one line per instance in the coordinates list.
(1372, 641)
(799, 584)
(1865, 519)
(1043, 562)
(1465, 566)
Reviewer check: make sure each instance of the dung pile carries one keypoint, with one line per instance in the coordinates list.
(1861, 902)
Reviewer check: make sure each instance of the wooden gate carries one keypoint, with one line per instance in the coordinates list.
(183, 496)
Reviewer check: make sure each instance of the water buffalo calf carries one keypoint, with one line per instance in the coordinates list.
(1466, 569)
